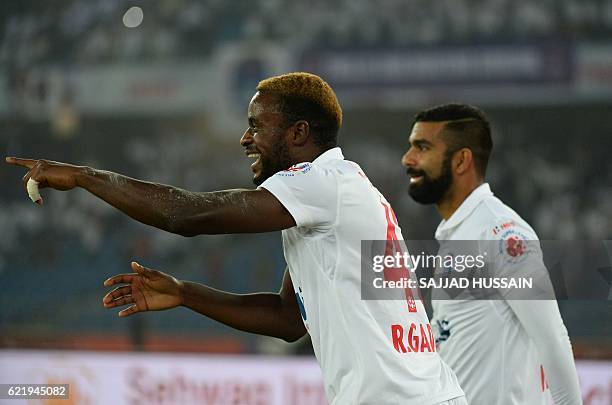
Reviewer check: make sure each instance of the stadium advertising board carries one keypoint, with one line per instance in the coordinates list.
(127, 378)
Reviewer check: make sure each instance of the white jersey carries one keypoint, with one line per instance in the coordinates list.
(503, 351)
(335, 207)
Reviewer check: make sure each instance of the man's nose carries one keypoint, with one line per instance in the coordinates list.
(408, 159)
(247, 138)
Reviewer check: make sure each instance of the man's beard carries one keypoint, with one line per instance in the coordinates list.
(279, 161)
(430, 191)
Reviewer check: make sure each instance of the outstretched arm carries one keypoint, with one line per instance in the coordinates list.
(165, 207)
(268, 314)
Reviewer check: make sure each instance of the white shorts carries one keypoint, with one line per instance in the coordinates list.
(455, 401)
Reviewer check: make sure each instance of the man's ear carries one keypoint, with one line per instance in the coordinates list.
(301, 132)
(463, 160)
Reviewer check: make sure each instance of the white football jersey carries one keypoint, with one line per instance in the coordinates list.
(495, 358)
(371, 351)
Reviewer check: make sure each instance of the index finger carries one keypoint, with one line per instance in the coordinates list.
(120, 278)
(29, 163)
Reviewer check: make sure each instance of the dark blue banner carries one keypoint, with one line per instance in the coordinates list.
(500, 64)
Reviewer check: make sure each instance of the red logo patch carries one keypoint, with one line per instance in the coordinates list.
(515, 246)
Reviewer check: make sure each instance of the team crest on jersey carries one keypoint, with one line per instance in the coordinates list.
(300, 168)
(513, 245)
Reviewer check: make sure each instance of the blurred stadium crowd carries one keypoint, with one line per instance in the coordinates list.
(550, 162)
(58, 255)
(81, 31)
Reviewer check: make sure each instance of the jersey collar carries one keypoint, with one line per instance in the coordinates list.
(330, 154)
(467, 206)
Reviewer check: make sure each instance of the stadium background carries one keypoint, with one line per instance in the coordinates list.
(166, 101)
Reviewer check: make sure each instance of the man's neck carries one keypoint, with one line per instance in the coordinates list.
(453, 199)
(309, 154)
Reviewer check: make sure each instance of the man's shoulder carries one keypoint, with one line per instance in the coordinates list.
(492, 219)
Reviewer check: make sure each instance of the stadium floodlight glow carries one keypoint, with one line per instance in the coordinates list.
(133, 17)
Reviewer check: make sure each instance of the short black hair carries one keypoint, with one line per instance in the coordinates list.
(323, 126)
(466, 127)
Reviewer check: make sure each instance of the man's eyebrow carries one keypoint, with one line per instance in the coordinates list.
(420, 142)
(252, 121)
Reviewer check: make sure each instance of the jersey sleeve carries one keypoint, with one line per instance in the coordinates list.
(518, 253)
(543, 324)
(308, 192)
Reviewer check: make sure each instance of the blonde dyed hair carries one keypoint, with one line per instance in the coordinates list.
(306, 96)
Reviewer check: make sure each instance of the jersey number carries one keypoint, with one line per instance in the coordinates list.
(393, 246)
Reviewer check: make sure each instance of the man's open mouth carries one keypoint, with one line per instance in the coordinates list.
(415, 178)
(256, 156)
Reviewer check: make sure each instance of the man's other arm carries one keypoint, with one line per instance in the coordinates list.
(269, 314)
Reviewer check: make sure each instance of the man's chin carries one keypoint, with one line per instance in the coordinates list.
(259, 178)
(422, 196)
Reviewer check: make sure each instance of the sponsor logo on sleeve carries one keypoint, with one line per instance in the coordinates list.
(502, 227)
(300, 168)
